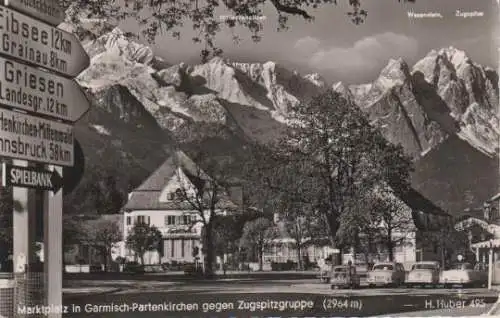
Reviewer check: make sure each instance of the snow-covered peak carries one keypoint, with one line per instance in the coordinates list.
(345, 92)
(450, 60)
(455, 56)
(361, 89)
(339, 86)
(217, 60)
(316, 79)
(395, 73)
(122, 44)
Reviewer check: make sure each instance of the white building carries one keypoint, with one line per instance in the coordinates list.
(417, 213)
(159, 202)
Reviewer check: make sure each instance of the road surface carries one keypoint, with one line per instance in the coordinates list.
(283, 298)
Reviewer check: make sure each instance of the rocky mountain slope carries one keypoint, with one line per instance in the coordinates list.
(441, 110)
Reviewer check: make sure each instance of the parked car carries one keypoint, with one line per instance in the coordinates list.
(325, 269)
(193, 270)
(339, 277)
(324, 276)
(466, 275)
(386, 274)
(134, 268)
(424, 273)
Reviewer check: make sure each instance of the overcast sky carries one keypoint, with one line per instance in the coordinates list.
(339, 50)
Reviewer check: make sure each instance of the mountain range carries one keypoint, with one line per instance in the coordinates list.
(442, 110)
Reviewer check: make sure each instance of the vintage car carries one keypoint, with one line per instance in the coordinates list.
(424, 273)
(325, 268)
(324, 275)
(339, 277)
(465, 274)
(386, 274)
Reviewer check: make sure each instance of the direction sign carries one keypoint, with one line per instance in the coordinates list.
(40, 44)
(31, 138)
(30, 177)
(46, 10)
(31, 89)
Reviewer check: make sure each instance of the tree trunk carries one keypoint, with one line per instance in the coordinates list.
(261, 258)
(390, 245)
(341, 256)
(106, 260)
(367, 256)
(442, 251)
(142, 258)
(208, 251)
(300, 263)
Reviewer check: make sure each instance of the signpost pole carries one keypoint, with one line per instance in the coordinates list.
(23, 236)
(52, 213)
(53, 100)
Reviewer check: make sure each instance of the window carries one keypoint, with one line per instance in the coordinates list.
(383, 267)
(129, 220)
(175, 195)
(179, 194)
(424, 266)
(172, 248)
(186, 219)
(165, 247)
(141, 219)
(182, 247)
(170, 220)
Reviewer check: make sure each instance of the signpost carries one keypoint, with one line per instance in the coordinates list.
(31, 138)
(46, 10)
(30, 177)
(39, 92)
(29, 42)
(40, 44)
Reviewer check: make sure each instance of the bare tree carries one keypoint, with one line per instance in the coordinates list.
(393, 220)
(347, 157)
(143, 238)
(102, 235)
(299, 226)
(258, 235)
(204, 186)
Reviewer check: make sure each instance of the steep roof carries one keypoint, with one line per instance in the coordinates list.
(146, 196)
(418, 202)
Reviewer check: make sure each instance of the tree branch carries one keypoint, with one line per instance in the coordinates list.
(290, 10)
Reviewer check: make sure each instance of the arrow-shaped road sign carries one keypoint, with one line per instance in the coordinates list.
(29, 177)
(40, 44)
(46, 10)
(34, 90)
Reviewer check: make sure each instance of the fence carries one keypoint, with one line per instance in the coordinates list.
(20, 293)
